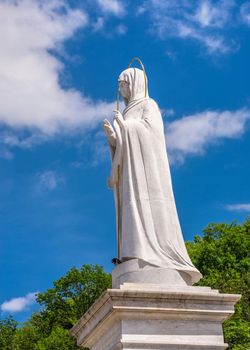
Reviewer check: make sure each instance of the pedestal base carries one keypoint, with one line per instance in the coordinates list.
(148, 316)
(138, 271)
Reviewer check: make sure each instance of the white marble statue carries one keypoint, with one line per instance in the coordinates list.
(148, 223)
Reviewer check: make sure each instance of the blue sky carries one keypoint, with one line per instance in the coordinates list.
(59, 63)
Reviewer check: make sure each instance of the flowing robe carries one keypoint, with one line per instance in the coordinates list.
(150, 228)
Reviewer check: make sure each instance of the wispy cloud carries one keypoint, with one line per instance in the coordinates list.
(204, 21)
(19, 304)
(245, 12)
(99, 150)
(238, 207)
(168, 112)
(49, 180)
(193, 134)
(5, 153)
(121, 29)
(30, 31)
(114, 7)
(214, 15)
(22, 139)
(98, 25)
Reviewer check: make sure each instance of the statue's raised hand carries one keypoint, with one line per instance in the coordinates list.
(109, 131)
(107, 127)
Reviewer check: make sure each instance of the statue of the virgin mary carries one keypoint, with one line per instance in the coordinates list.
(147, 219)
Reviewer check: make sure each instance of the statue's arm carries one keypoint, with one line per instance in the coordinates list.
(149, 118)
(124, 124)
(151, 113)
(117, 155)
(112, 139)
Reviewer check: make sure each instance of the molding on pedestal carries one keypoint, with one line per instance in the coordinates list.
(145, 316)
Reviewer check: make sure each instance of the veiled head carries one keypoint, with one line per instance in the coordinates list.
(132, 84)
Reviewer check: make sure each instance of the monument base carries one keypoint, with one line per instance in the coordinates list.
(154, 316)
(138, 271)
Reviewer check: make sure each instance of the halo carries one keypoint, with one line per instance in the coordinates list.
(144, 72)
(145, 80)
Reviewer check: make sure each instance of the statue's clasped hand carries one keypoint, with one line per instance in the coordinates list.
(118, 117)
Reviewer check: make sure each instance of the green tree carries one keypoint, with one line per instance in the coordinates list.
(58, 339)
(223, 257)
(70, 298)
(65, 303)
(26, 337)
(8, 328)
(61, 307)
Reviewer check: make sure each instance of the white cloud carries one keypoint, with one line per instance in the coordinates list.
(6, 154)
(170, 54)
(31, 95)
(245, 12)
(204, 14)
(167, 112)
(238, 207)
(99, 148)
(98, 25)
(19, 304)
(191, 135)
(77, 164)
(49, 180)
(121, 29)
(22, 139)
(114, 7)
(203, 21)
(141, 10)
(209, 14)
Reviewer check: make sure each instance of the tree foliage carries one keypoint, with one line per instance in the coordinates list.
(223, 257)
(70, 297)
(61, 307)
(8, 329)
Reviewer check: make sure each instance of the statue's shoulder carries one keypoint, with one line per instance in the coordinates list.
(150, 103)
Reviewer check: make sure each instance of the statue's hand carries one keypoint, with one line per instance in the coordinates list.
(108, 129)
(110, 183)
(119, 118)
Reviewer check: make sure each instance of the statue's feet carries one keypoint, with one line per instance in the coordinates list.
(116, 261)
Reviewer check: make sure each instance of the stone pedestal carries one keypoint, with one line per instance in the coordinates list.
(167, 315)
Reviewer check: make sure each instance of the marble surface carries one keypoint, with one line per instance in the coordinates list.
(148, 316)
(138, 271)
(148, 226)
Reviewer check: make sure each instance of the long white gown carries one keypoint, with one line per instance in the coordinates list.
(150, 228)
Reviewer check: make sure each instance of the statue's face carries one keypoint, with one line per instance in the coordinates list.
(124, 88)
